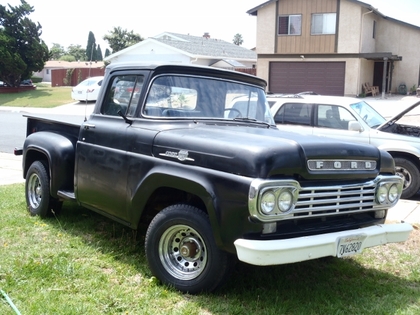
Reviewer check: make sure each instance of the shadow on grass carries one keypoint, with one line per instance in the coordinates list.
(323, 286)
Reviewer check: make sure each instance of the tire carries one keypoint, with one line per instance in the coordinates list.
(181, 250)
(37, 191)
(408, 171)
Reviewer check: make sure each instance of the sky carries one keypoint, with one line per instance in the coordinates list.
(69, 22)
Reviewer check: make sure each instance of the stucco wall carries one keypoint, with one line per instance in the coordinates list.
(266, 29)
(403, 41)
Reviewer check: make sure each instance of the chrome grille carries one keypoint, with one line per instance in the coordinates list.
(317, 201)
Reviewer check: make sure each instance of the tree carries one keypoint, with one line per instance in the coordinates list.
(91, 47)
(21, 50)
(118, 39)
(237, 39)
(57, 51)
(77, 52)
(107, 52)
(69, 58)
(99, 56)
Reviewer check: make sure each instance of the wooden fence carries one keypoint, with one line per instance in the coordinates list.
(72, 77)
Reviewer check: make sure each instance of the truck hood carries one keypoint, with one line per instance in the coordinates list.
(261, 152)
(397, 117)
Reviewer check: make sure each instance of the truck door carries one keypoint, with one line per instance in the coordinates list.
(102, 161)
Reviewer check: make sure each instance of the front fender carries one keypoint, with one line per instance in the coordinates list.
(224, 195)
(59, 151)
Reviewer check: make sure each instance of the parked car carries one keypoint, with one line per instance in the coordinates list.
(352, 119)
(87, 90)
(27, 82)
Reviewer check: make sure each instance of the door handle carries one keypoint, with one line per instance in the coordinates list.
(88, 126)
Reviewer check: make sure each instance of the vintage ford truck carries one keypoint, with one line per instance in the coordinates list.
(212, 182)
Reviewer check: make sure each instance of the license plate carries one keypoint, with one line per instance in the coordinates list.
(80, 92)
(350, 245)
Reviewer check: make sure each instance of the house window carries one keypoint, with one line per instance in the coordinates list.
(290, 25)
(48, 71)
(323, 23)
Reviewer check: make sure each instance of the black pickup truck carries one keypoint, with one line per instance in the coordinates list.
(194, 153)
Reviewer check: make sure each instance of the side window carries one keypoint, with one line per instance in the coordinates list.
(294, 113)
(123, 95)
(331, 116)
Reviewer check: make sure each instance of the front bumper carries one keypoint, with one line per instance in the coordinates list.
(277, 252)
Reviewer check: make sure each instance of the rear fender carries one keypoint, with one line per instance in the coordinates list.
(59, 151)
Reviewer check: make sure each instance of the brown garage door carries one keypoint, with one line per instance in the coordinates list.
(326, 78)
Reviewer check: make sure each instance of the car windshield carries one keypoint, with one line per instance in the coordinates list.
(368, 114)
(178, 96)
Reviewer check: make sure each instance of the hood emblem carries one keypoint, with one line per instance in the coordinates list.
(341, 165)
(182, 155)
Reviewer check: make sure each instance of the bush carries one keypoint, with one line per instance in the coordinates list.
(36, 79)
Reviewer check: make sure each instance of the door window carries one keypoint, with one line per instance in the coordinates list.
(123, 96)
(332, 116)
(294, 114)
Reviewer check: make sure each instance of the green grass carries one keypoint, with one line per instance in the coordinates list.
(43, 96)
(83, 263)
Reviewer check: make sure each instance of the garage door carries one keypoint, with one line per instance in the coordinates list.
(326, 78)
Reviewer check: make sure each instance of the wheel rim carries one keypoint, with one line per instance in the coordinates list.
(182, 252)
(34, 191)
(405, 175)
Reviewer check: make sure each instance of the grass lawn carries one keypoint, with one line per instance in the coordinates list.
(43, 96)
(83, 263)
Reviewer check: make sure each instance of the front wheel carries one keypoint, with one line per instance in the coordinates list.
(37, 191)
(411, 176)
(181, 251)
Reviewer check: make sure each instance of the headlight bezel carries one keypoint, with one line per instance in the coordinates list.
(279, 193)
(388, 192)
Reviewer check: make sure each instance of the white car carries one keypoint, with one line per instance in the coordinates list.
(352, 119)
(87, 90)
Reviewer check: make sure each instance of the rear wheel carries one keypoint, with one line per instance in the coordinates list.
(408, 171)
(181, 250)
(37, 191)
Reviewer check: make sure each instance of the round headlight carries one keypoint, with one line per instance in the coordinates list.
(381, 194)
(268, 202)
(285, 201)
(393, 193)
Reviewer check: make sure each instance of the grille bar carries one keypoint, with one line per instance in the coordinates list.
(314, 201)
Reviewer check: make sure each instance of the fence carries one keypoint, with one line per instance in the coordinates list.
(73, 76)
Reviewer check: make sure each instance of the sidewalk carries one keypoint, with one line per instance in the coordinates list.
(76, 108)
(405, 210)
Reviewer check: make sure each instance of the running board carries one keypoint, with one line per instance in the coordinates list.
(68, 195)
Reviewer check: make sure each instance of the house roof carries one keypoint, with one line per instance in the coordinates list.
(195, 47)
(254, 11)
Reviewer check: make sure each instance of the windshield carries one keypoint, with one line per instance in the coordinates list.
(368, 114)
(178, 96)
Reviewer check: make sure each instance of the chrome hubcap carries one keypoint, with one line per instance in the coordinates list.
(405, 175)
(34, 191)
(182, 252)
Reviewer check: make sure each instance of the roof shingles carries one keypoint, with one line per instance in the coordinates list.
(203, 46)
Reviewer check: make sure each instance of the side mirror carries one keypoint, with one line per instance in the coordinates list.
(355, 126)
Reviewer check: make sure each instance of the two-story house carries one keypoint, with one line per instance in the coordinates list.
(333, 47)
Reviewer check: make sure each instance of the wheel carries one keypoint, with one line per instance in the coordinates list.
(411, 175)
(234, 110)
(181, 250)
(37, 191)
